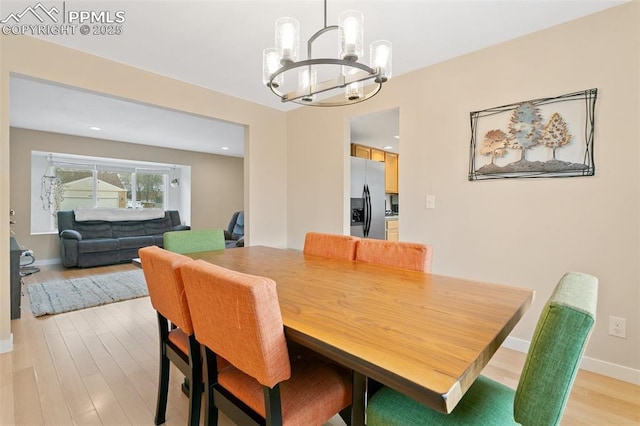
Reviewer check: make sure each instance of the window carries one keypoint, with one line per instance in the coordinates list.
(150, 189)
(68, 182)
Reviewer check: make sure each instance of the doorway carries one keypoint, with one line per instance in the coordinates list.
(376, 137)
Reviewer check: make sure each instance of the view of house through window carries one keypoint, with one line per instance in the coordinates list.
(87, 188)
(71, 182)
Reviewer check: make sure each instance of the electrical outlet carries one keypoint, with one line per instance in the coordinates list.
(430, 202)
(618, 327)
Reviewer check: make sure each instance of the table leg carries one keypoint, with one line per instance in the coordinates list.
(358, 404)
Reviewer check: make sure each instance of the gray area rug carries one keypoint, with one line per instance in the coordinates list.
(55, 297)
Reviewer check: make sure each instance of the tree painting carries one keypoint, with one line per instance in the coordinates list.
(536, 128)
(556, 134)
(525, 128)
(495, 144)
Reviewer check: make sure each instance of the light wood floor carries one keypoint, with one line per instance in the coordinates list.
(98, 366)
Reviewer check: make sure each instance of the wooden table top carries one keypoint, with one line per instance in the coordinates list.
(428, 336)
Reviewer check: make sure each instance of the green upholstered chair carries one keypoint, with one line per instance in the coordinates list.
(194, 241)
(551, 366)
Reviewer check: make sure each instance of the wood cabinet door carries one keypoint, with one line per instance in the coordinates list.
(360, 151)
(391, 172)
(377, 155)
(392, 235)
(392, 230)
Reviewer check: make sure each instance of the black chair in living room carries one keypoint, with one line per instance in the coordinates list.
(234, 234)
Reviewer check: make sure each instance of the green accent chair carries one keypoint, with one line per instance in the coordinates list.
(549, 371)
(194, 241)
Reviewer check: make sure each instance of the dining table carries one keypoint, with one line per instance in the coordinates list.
(426, 335)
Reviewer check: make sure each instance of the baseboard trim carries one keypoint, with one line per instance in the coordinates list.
(6, 345)
(44, 262)
(619, 372)
(516, 344)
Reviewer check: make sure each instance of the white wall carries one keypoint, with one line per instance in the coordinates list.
(523, 232)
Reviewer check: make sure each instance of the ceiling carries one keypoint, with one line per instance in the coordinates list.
(47, 107)
(218, 45)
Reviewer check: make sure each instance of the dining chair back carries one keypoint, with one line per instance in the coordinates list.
(177, 341)
(194, 241)
(413, 256)
(557, 346)
(237, 316)
(333, 246)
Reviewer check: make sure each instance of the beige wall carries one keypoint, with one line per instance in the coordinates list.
(525, 232)
(265, 168)
(216, 181)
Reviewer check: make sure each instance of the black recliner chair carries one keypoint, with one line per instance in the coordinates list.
(234, 234)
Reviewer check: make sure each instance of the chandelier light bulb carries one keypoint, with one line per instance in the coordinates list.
(288, 36)
(288, 39)
(352, 91)
(380, 57)
(270, 64)
(382, 54)
(351, 34)
(307, 79)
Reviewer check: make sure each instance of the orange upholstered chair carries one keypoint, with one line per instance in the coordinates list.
(413, 256)
(177, 342)
(237, 316)
(330, 245)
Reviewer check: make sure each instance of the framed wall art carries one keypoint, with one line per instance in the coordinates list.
(548, 137)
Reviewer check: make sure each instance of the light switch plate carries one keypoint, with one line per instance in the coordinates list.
(431, 202)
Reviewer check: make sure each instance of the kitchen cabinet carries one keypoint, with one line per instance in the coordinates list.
(392, 229)
(360, 151)
(391, 173)
(377, 155)
(367, 152)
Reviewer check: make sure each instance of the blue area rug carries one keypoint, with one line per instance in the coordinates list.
(55, 297)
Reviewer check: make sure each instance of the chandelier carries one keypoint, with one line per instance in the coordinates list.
(343, 72)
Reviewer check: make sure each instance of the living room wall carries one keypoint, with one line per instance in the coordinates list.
(217, 182)
(522, 232)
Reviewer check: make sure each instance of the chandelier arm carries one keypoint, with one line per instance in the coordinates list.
(371, 73)
(318, 34)
(325, 15)
(374, 72)
(369, 95)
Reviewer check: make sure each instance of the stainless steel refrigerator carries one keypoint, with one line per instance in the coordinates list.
(367, 198)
